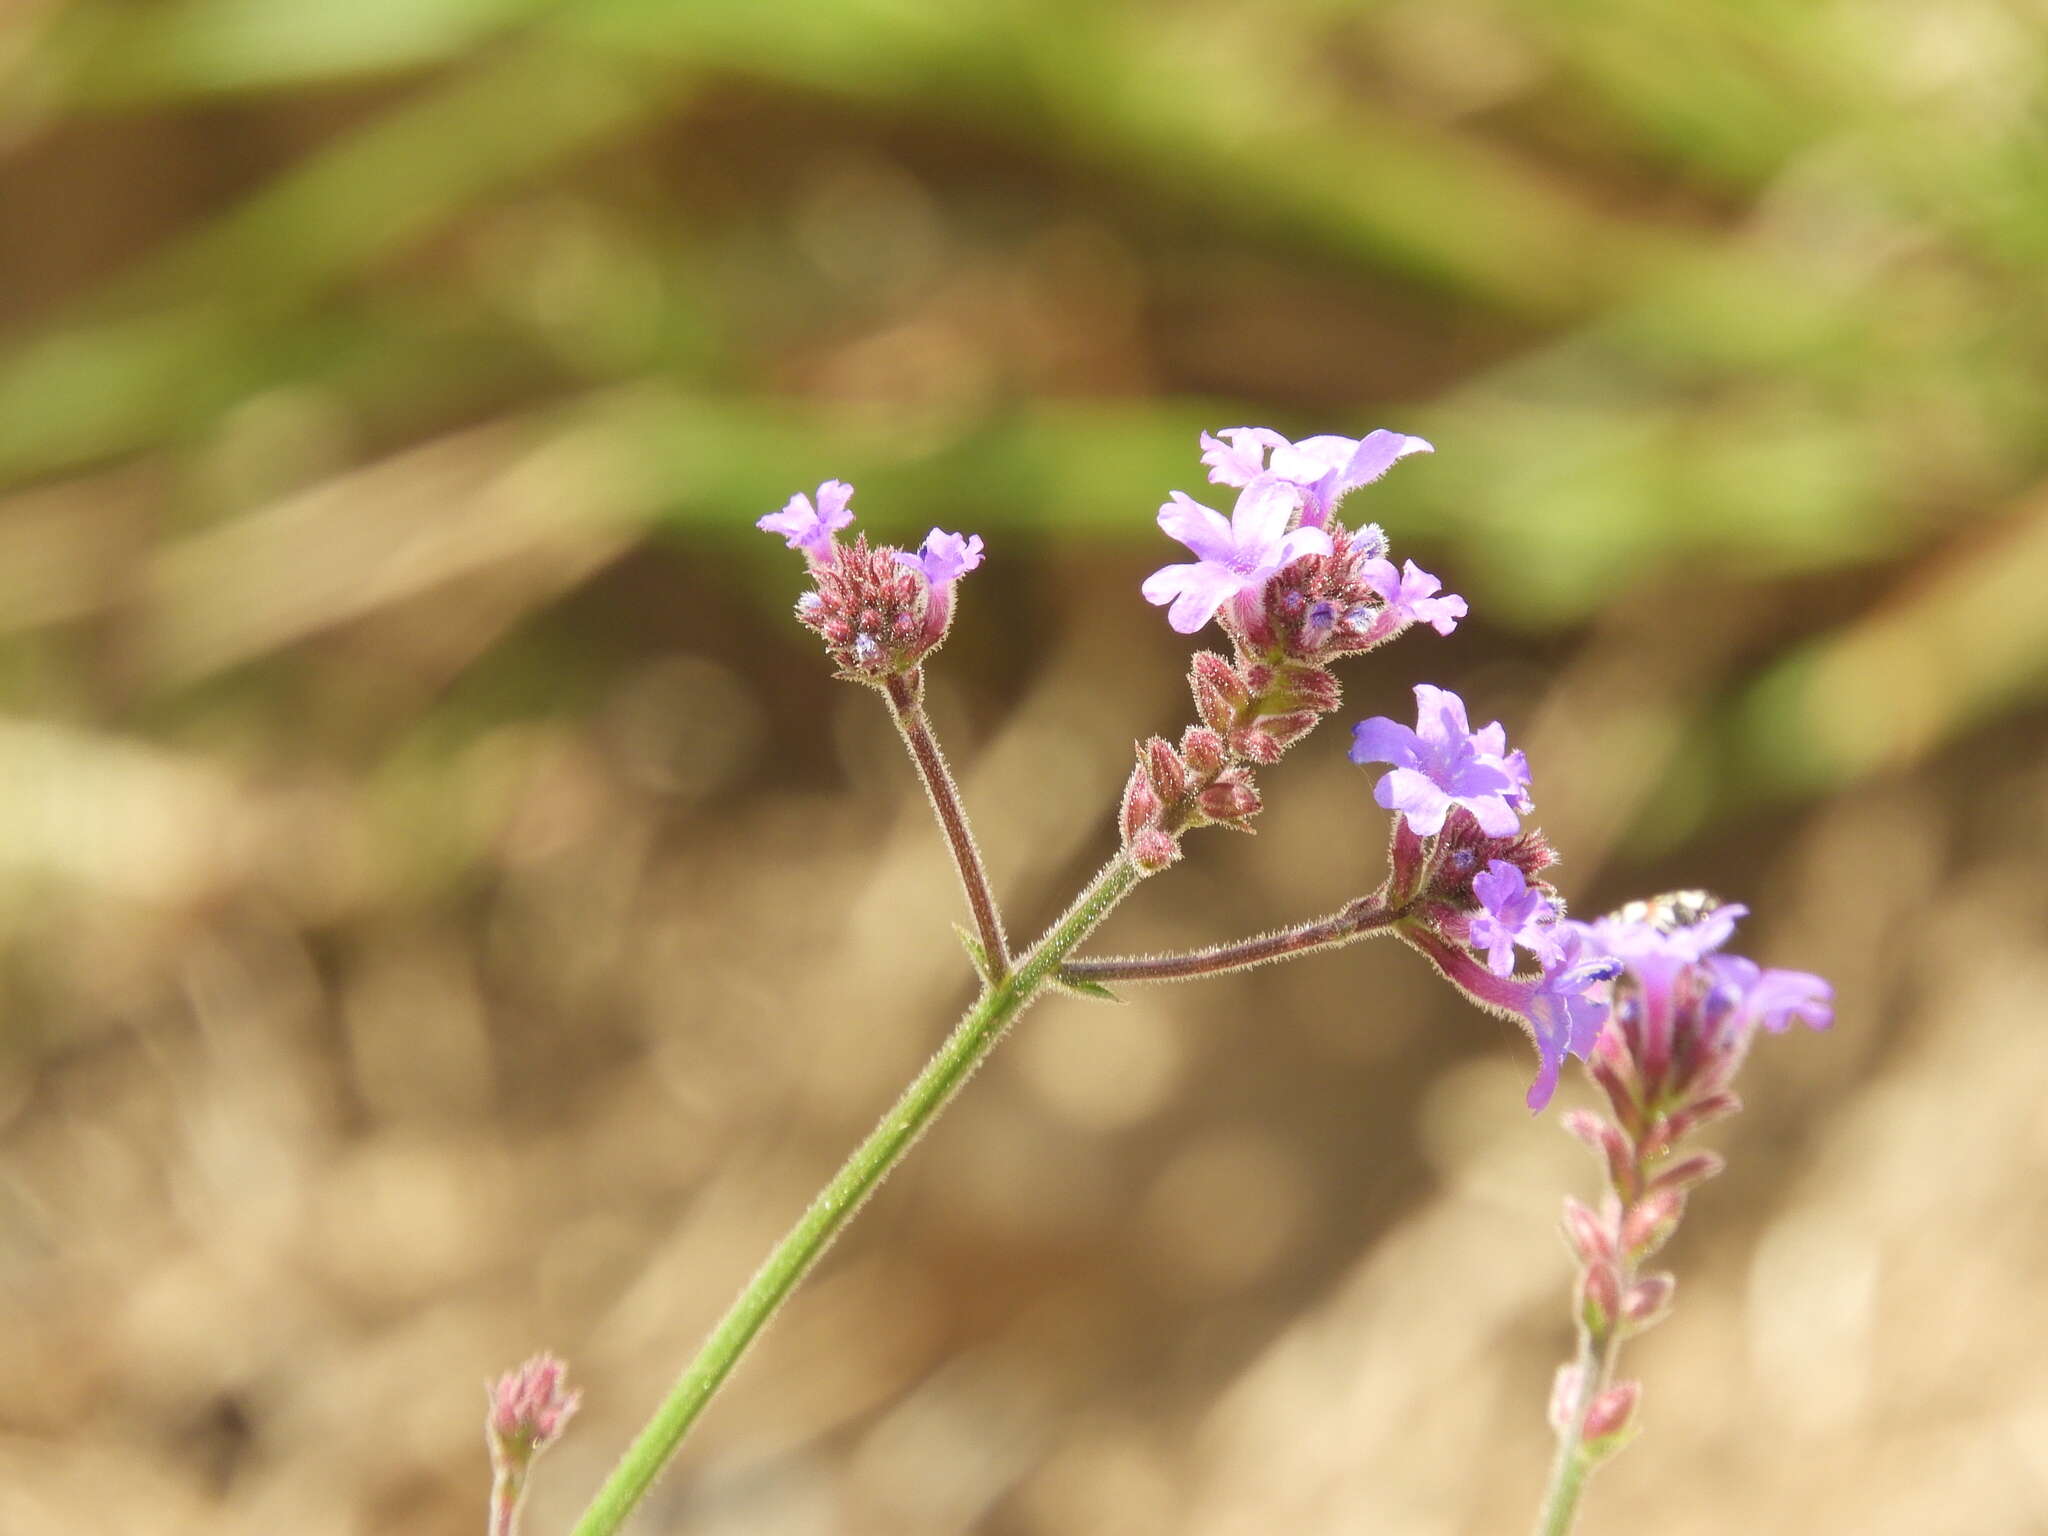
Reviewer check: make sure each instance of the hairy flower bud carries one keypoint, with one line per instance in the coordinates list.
(1611, 1415)
(1152, 850)
(1689, 1172)
(1588, 1236)
(1599, 1297)
(1202, 749)
(1140, 804)
(1648, 1301)
(1650, 1222)
(1220, 694)
(1231, 800)
(1168, 772)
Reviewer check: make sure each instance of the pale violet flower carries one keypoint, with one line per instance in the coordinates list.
(810, 528)
(1563, 1014)
(1411, 593)
(1444, 762)
(944, 557)
(1511, 911)
(1325, 468)
(1240, 555)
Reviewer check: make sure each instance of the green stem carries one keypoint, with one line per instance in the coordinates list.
(1568, 1472)
(871, 1162)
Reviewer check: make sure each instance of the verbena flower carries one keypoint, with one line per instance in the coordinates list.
(1326, 469)
(1410, 593)
(1442, 763)
(944, 557)
(530, 1407)
(1511, 911)
(1564, 1012)
(1236, 556)
(810, 528)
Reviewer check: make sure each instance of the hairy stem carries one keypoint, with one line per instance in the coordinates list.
(508, 1492)
(1358, 920)
(971, 1040)
(1568, 1472)
(906, 705)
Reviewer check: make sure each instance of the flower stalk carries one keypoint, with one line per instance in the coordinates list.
(906, 706)
(1360, 919)
(872, 1161)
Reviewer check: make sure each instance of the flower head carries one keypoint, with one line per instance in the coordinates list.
(1511, 911)
(529, 1408)
(1325, 469)
(1240, 555)
(1444, 763)
(810, 528)
(944, 557)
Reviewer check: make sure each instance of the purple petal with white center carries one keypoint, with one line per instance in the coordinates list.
(1411, 593)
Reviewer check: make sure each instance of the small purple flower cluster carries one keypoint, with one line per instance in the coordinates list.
(879, 610)
(1293, 589)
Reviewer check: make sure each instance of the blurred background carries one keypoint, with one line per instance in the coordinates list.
(447, 909)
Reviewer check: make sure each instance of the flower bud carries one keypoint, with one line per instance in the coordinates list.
(1650, 1222)
(1689, 1172)
(1256, 744)
(1220, 694)
(1140, 804)
(1599, 1297)
(1314, 688)
(1611, 1415)
(1152, 850)
(1587, 1235)
(529, 1409)
(1169, 774)
(1203, 751)
(1231, 799)
(1648, 1301)
(1715, 1106)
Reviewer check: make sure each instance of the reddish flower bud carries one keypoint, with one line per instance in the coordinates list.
(1203, 750)
(1285, 730)
(1169, 773)
(1689, 1172)
(1612, 1413)
(1314, 688)
(1140, 804)
(1220, 694)
(1232, 798)
(1599, 1297)
(1588, 1236)
(1650, 1222)
(529, 1409)
(1715, 1106)
(1647, 1301)
(1256, 745)
(1152, 850)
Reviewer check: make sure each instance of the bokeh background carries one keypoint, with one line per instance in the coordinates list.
(446, 908)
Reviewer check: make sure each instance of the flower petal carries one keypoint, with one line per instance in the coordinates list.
(1205, 532)
(1380, 740)
(1260, 518)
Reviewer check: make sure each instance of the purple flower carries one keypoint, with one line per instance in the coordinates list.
(1236, 556)
(1325, 468)
(1565, 1020)
(1411, 593)
(810, 528)
(1753, 995)
(944, 557)
(1442, 763)
(1511, 911)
